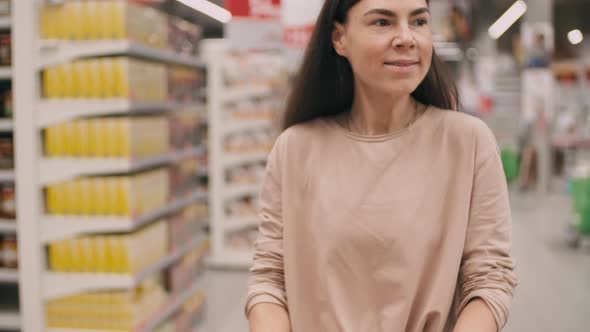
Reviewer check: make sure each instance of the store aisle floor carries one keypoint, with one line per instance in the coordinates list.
(554, 290)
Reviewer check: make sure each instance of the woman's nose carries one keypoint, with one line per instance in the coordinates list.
(404, 37)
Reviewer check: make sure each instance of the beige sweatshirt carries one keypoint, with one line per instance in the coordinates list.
(384, 234)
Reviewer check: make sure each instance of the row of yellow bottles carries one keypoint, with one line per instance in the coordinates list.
(107, 310)
(113, 77)
(125, 253)
(123, 137)
(128, 195)
(104, 19)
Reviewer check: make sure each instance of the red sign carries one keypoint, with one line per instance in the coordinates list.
(257, 9)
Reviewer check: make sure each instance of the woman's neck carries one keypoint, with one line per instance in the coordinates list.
(379, 114)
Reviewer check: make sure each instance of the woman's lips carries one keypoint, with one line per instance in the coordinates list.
(402, 66)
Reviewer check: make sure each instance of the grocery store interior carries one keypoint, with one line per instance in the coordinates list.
(134, 136)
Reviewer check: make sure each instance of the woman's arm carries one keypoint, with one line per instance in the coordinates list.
(266, 305)
(476, 317)
(269, 317)
(486, 278)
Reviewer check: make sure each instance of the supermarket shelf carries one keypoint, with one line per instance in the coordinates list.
(448, 51)
(58, 284)
(54, 228)
(5, 73)
(6, 175)
(237, 94)
(8, 275)
(7, 226)
(55, 52)
(54, 170)
(237, 159)
(176, 303)
(241, 190)
(247, 125)
(239, 259)
(6, 125)
(238, 223)
(9, 320)
(54, 111)
(5, 22)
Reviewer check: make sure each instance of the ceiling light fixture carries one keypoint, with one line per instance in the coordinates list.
(210, 9)
(575, 37)
(507, 19)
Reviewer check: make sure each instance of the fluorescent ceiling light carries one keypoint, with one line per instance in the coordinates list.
(507, 19)
(210, 9)
(575, 37)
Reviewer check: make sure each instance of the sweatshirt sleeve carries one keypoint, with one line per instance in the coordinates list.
(487, 268)
(267, 282)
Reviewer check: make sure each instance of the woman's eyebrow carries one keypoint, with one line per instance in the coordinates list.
(390, 13)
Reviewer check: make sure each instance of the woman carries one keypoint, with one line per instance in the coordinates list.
(381, 210)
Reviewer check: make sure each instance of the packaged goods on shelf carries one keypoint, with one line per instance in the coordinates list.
(185, 84)
(122, 195)
(8, 251)
(6, 102)
(111, 77)
(5, 49)
(243, 239)
(185, 225)
(185, 129)
(125, 137)
(180, 276)
(242, 207)
(125, 253)
(246, 174)
(104, 19)
(184, 177)
(249, 142)
(183, 36)
(5, 8)
(108, 310)
(247, 68)
(254, 109)
(7, 200)
(6, 151)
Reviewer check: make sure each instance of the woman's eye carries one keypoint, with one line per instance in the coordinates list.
(421, 22)
(381, 23)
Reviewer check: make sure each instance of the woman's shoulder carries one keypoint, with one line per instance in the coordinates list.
(462, 124)
(309, 131)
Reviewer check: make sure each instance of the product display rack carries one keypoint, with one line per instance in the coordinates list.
(9, 317)
(221, 93)
(36, 228)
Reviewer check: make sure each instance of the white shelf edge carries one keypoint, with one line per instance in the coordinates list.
(58, 284)
(234, 191)
(237, 159)
(58, 169)
(233, 94)
(54, 228)
(8, 226)
(246, 125)
(56, 51)
(234, 224)
(5, 22)
(54, 111)
(8, 275)
(177, 302)
(10, 320)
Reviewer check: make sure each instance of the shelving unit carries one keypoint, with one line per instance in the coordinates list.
(7, 226)
(8, 275)
(221, 95)
(36, 228)
(9, 320)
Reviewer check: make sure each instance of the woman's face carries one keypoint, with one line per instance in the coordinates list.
(388, 44)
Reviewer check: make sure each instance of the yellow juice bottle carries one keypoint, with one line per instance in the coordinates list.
(110, 260)
(116, 10)
(123, 202)
(76, 196)
(68, 138)
(93, 138)
(60, 140)
(121, 77)
(77, 72)
(58, 257)
(75, 255)
(109, 138)
(99, 137)
(110, 186)
(122, 137)
(51, 141)
(60, 15)
(100, 247)
(84, 191)
(95, 85)
(52, 199)
(68, 80)
(48, 22)
(88, 12)
(107, 77)
(99, 202)
(81, 138)
(69, 198)
(76, 18)
(85, 253)
(51, 83)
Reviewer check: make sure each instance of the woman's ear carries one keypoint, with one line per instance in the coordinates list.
(338, 39)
